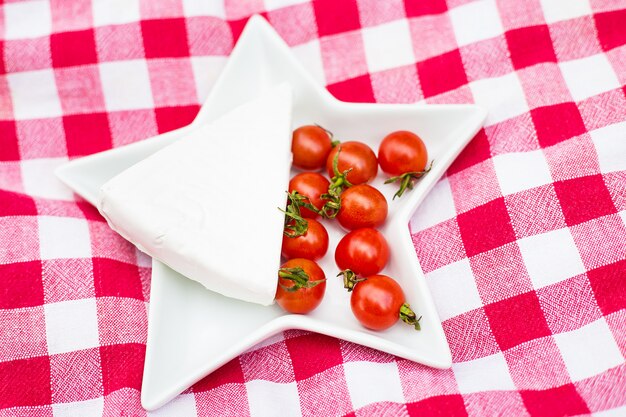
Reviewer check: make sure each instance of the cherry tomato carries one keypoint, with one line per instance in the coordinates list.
(305, 298)
(376, 302)
(364, 251)
(311, 185)
(357, 156)
(401, 152)
(310, 146)
(312, 245)
(362, 206)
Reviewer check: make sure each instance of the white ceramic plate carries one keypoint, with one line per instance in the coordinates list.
(193, 331)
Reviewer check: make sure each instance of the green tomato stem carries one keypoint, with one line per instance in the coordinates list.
(350, 279)
(338, 183)
(295, 224)
(407, 180)
(299, 278)
(408, 316)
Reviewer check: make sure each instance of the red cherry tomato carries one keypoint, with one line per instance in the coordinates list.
(362, 206)
(376, 302)
(356, 155)
(364, 251)
(312, 245)
(401, 152)
(306, 298)
(310, 146)
(311, 185)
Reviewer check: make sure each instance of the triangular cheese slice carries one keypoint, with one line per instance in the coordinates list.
(207, 205)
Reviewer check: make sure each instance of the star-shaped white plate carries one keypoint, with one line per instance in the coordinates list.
(193, 331)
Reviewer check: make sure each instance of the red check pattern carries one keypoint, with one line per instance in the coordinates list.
(523, 242)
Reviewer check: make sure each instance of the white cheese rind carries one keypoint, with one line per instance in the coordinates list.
(207, 205)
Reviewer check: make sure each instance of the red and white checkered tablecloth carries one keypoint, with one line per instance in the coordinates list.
(523, 241)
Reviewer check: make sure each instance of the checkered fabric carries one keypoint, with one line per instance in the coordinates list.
(523, 241)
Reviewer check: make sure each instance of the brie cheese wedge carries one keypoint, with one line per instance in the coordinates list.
(207, 205)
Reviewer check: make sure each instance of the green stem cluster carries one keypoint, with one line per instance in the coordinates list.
(338, 183)
(408, 316)
(299, 278)
(407, 180)
(350, 279)
(295, 224)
